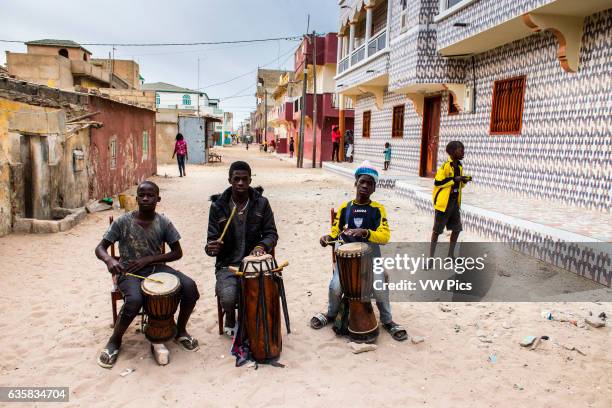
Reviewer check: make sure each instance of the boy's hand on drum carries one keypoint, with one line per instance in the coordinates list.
(258, 251)
(114, 266)
(214, 247)
(138, 265)
(324, 241)
(356, 232)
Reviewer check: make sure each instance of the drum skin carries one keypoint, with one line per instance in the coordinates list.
(160, 309)
(356, 279)
(261, 308)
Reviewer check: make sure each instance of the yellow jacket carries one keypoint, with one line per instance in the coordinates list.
(444, 183)
(372, 217)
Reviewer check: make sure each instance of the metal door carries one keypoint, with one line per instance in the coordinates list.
(192, 129)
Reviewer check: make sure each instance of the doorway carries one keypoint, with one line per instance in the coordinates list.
(430, 136)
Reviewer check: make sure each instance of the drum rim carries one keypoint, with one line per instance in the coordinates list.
(365, 250)
(168, 292)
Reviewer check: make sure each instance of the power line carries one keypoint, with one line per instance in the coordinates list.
(293, 38)
(291, 51)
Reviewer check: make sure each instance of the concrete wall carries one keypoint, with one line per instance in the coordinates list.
(51, 70)
(127, 70)
(74, 170)
(125, 125)
(73, 53)
(131, 96)
(166, 128)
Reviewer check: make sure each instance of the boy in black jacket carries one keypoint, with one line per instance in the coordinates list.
(252, 231)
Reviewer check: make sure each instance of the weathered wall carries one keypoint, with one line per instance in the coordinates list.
(74, 170)
(131, 96)
(125, 124)
(73, 53)
(127, 70)
(51, 70)
(166, 128)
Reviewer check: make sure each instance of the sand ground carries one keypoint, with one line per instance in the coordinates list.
(56, 317)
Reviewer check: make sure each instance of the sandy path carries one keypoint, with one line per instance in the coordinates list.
(56, 317)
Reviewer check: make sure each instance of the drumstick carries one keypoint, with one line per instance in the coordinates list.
(143, 277)
(227, 224)
(236, 271)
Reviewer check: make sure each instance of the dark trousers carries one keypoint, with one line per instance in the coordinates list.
(181, 163)
(335, 151)
(227, 289)
(133, 297)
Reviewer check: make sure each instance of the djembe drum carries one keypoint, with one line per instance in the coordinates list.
(262, 293)
(355, 267)
(160, 303)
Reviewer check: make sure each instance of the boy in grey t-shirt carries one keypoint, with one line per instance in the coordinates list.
(140, 235)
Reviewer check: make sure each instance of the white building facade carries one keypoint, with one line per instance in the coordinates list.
(524, 84)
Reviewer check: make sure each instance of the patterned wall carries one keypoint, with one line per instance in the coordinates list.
(482, 15)
(565, 149)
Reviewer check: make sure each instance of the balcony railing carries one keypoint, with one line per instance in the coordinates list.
(378, 43)
(358, 55)
(344, 64)
(348, 102)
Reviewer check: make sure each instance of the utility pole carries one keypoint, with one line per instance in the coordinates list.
(300, 159)
(265, 111)
(314, 101)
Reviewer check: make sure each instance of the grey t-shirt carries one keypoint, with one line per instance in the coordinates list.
(136, 242)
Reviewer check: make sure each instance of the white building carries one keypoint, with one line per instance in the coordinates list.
(168, 96)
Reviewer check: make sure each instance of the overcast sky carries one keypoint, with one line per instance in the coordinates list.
(154, 21)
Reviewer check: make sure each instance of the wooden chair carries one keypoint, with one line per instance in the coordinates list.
(116, 294)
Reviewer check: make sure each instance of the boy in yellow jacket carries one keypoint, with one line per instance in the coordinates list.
(360, 220)
(448, 184)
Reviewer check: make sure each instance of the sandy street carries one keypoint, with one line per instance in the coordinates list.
(56, 317)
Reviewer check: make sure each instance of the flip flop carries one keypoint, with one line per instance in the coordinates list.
(188, 343)
(110, 358)
(396, 331)
(319, 321)
(229, 331)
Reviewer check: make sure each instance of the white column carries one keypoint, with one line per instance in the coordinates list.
(340, 37)
(368, 31)
(351, 44)
(388, 28)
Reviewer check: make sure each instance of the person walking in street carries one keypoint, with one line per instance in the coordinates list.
(180, 150)
(335, 144)
(448, 183)
(348, 142)
(387, 153)
(291, 147)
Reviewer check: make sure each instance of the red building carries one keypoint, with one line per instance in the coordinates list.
(284, 117)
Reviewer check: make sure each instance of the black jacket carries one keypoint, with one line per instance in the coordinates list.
(260, 229)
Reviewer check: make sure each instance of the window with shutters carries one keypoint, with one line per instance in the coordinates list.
(397, 129)
(367, 115)
(507, 109)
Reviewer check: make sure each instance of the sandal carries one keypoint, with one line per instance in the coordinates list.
(228, 331)
(396, 331)
(107, 359)
(319, 321)
(188, 343)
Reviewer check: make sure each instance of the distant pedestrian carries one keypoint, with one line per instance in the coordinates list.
(387, 156)
(291, 147)
(247, 141)
(180, 150)
(448, 183)
(272, 146)
(349, 139)
(335, 144)
(265, 145)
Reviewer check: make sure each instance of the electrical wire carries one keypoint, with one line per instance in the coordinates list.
(292, 38)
